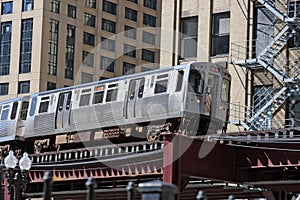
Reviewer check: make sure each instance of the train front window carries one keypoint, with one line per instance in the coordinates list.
(179, 81)
(225, 90)
(196, 82)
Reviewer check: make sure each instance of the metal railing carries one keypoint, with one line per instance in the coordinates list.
(154, 190)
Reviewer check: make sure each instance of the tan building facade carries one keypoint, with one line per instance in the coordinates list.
(208, 28)
(48, 44)
(255, 40)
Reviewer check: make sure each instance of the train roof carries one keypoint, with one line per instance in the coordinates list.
(11, 100)
(130, 76)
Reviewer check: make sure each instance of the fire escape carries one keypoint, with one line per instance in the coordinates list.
(273, 59)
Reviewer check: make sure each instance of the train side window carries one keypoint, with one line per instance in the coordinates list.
(132, 89)
(32, 107)
(98, 97)
(14, 110)
(69, 101)
(179, 81)
(111, 95)
(44, 107)
(61, 100)
(161, 86)
(4, 113)
(141, 88)
(196, 82)
(225, 90)
(85, 99)
(24, 110)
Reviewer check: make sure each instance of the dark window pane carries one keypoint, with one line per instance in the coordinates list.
(108, 25)
(109, 7)
(150, 4)
(131, 14)
(220, 33)
(72, 11)
(130, 32)
(189, 30)
(7, 7)
(148, 55)
(149, 20)
(88, 39)
(89, 20)
(28, 5)
(54, 6)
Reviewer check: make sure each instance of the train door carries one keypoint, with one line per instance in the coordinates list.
(134, 102)
(63, 110)
(22, 116)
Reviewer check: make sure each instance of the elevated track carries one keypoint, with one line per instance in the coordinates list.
(247, 164)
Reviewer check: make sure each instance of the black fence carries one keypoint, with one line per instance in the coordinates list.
(152, 190)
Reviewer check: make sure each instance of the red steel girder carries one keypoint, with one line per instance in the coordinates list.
(193, 157)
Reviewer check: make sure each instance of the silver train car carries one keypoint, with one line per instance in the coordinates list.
(189, 99)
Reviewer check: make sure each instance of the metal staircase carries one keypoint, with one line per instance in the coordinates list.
(272, 60)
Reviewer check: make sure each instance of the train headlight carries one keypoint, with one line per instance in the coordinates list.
(198, 101)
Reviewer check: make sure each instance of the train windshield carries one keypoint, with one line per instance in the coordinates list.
(196, 82)
(225, 90)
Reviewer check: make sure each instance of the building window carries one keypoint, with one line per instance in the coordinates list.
(131, 14)
(88, 39)
(72, 11)
(51, 86)
(28, 5)
(133, 1)
(150, 4)
(130, 32)
(148, 55)
(5, 46)
(24, 87)
(148, 38)
(70, 51)
(108, 44)
(4, 89)
(128, 68)
(89, 20)
(107, 64)
(109, 7)
(53, 47)
(129, 50)
(149, 20)
(86, 77)
(189, 31)
(88, 59)
(108, 25)
(26, 46)
(90, 3)
(220, 34)
(7, 7)
(54, 6)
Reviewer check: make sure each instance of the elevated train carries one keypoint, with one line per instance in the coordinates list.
(191, 99)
